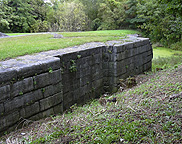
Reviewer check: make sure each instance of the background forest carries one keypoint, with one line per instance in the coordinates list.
(160, 20)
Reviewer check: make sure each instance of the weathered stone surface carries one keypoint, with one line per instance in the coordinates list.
(33, 68)
(23, 100)
(58, 109)
(7, 75)
(86, 62)
(30, 110)
(46, 79)
(3, 35)
(58, 36)
(52, 89)
(85, 80)
(1, 109)
(68, 100)
(47, 113)
(97, 83)
(51, 101)
(4, 92)
(21, 87)
(9, 120)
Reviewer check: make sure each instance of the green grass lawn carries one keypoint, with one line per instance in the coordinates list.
(165, 58)
(17, 46)
(165, 52)
(34, 43)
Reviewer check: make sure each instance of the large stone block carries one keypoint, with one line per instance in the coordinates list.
(23, 100)
(120, 48)
(4, 92)
(30, 110)
(129, 45)
(97, 75)
(98, 91)
(97, 83)
(87, 52)
(112, 65)
(7, 75)
(52, 89)
(66, 58)
(58, 109)
(78, 92)
(85, 89)
(147, 66)
(138, 60)
(47, 113)
(67, 87)
(134, 51)
(147, 58)
(41, 66)
(85, 80)
(68, 100)
(145, 41)
(150, 52)
(24, 86)
(97, 58)
(9, 120)
(85, 71)
(86, 61)
(105, 57)
(143, 49)
(137, 44)
(98, 67)
(148, 46)
(42, 80)
(69, 78)
(121, 56)
(51, 101)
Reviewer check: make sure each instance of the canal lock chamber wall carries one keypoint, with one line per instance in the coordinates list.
(36, 86)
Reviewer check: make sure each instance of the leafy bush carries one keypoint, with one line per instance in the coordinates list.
(159, 24)
(112, 14)
(40, 26)
(177, 46)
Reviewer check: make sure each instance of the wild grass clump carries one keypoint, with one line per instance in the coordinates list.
(166, 62)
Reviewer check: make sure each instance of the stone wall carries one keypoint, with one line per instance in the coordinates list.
(39, 85)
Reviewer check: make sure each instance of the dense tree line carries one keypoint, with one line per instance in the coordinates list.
(161, 20)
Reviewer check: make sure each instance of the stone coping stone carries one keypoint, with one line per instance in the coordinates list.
(28, 65)
(3, 35)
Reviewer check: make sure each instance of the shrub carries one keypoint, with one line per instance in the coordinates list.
(177, 46)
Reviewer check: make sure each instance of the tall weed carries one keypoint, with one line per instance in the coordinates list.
(166, 62)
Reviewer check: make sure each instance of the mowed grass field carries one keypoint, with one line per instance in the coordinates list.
(36, 42)
(16, 46)
(160, 52)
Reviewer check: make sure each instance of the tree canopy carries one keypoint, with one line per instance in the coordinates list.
(161, 20)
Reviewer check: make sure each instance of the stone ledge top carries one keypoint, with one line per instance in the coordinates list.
(42, 58)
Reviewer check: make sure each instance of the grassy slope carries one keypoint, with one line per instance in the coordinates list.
(16, 46)
(142, 114)
(145, 113)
